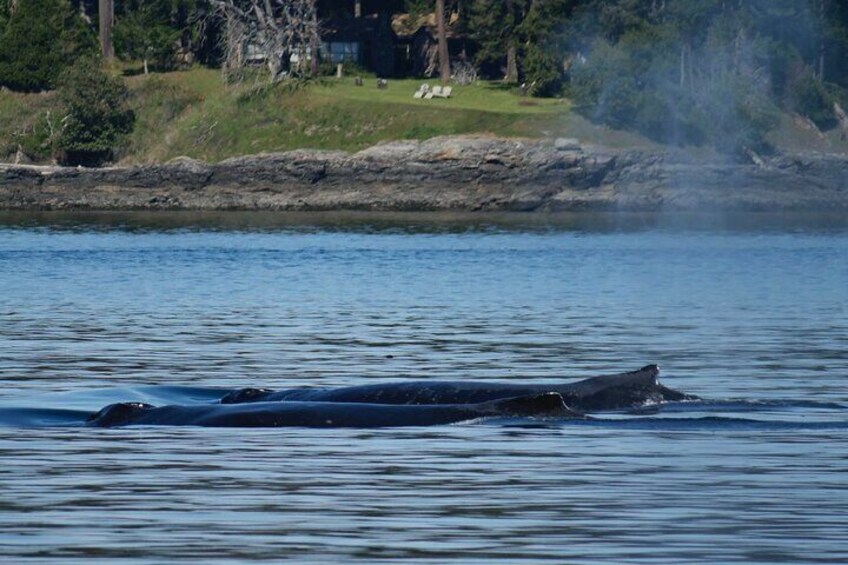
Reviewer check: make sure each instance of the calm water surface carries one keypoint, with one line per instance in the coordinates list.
(175, 308)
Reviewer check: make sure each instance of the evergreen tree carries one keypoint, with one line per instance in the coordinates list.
(831, 18)
(4, 16)
(681, 72)
(544, 49)
(150, 31)
(97, 114)
(524, 38)
(495, 27)
(42, 38)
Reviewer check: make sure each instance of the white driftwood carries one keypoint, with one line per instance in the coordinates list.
(843, 120)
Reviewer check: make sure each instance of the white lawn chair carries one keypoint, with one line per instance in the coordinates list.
(446, 92)
(435, 92)
(422, 91)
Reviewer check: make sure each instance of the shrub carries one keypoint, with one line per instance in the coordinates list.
(37, 141)
(42, 38)
(542, 72)
(98, 116)
(808, 96)
(735, 117)
(604, 88)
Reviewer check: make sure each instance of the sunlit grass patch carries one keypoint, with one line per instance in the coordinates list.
(217, 121)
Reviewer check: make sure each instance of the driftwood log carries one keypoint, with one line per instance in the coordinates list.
(843, 120)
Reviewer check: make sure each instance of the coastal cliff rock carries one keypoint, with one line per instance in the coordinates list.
(447, 173)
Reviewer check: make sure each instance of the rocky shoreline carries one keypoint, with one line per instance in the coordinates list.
(448, 173)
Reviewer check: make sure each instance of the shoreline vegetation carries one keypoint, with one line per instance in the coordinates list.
(202, 145)
(194, 114)
(309, 105)
(747, 83)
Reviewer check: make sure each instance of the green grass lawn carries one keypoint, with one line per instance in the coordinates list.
(193, 113)
(483, 96)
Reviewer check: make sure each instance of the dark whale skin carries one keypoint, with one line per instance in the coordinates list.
(606, 392)
(326, 414)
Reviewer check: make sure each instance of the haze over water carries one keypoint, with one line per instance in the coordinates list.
(176, 308)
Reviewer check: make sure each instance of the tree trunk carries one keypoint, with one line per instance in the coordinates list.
(822, 46)
(511, 49)
(444, 58)
(313, 40)
(511, 64)
(106, 9)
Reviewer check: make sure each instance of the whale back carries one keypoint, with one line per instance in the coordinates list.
(543, 404)
(607, 392)
(118, 414)
(242, 395)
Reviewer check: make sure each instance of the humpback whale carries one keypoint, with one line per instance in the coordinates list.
(327, 414)
(605, 392)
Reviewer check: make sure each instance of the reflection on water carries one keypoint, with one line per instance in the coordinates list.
(422, 222)
(98, 305)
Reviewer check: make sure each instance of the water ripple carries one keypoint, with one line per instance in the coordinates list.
(161, 308)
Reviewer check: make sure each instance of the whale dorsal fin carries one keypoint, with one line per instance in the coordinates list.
(652, 368)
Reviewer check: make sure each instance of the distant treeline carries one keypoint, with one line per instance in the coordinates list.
(701, 72)
(684, 72)
(708, 71)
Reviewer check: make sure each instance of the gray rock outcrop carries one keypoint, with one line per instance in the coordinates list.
(448, 173)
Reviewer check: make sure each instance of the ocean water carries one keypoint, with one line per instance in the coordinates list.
(750, 313)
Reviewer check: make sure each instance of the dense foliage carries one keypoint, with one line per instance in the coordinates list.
(97, 114)
(525, 39)
(708, 71)
(4, 14)
(154, 31)
(687, 72)
(39, 40)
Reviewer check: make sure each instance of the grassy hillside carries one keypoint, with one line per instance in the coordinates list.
(26, 121)
(194, 113)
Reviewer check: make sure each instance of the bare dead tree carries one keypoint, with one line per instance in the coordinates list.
(464, 73)
(282, 33)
